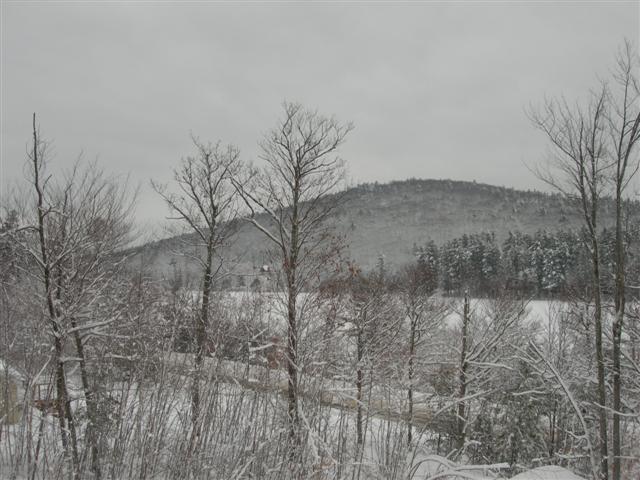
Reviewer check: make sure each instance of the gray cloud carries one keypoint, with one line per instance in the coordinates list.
(435, 90)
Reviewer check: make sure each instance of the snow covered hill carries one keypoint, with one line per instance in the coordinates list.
(390, 219)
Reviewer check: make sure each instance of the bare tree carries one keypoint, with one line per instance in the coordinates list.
(462, 374)
(595, 150)
(78, 227)
(623, 117)
(367, 319)
(488, 332)
(416, 285)
(47, 259)
(293, 191)
(206, 204)
(578, 138)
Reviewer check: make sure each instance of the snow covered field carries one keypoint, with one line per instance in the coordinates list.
(149, 432)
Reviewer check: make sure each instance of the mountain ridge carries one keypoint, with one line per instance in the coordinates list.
(392, 219)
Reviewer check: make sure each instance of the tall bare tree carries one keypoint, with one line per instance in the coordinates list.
(597, 156)
(623, 117)
(79, 224)
(206, 204)
(47, 260)
(293, 191)
(578, 170)
(461, 419)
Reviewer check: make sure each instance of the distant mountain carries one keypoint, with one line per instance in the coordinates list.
(392, 219)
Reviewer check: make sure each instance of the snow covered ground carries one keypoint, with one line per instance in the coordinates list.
(337, 401)
(549, 472)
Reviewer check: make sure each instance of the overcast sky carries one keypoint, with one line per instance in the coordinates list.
(435, 90)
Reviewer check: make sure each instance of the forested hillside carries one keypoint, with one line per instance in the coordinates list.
(395, 219)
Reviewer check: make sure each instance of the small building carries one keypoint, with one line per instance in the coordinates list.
(11, 392)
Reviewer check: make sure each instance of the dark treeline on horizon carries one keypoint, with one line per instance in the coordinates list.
(545, 264)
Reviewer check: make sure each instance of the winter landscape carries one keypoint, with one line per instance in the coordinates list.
(320, 241)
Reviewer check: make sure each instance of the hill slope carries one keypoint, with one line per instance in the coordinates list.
(390, 219)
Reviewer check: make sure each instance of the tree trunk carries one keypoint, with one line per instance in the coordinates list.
(92, 411)
(292, 372)
(359, 385)
(65, 416)
(201, 324)
(291, 264)
(412, 346)
(602, 399)
(462, 386)
(617, 334)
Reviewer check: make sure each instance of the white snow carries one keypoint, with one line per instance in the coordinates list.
(549, 472)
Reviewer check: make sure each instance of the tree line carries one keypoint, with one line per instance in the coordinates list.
(545, 264)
